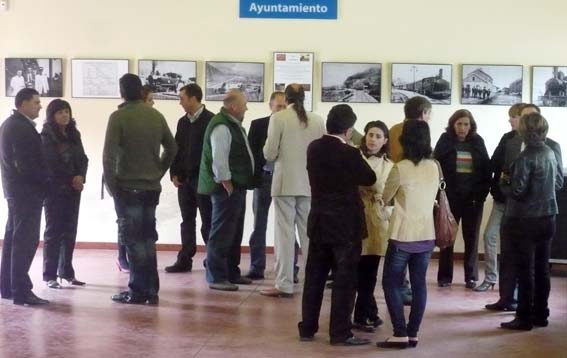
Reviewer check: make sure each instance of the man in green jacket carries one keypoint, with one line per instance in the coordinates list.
(133, 168)
(226, 171)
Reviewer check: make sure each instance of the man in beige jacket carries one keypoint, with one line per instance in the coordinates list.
(289, 133)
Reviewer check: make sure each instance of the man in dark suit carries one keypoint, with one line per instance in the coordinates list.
(336, 226)
(24, 183)
(185, 174)
(262, 188)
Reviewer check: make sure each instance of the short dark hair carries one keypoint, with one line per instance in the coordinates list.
(340, 118)
(415, 106)
(533, 128)
(416, 141)
(530, 105)
(455, 117)
(25, 94)
(55, 106)
(131, 87)
(384, 128)
(193, 90)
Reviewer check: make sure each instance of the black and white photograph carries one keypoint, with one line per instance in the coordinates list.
(94, 78)
(549, 86)
(432, 81)
(167, 77)
(492, 84)
(43, 74)
(351, 82)
(222, 77)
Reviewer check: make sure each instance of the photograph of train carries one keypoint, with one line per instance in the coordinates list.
(549, 86)
(221, 77)
(491, 84)
(167, 77)
(432, 81)
(351, 82)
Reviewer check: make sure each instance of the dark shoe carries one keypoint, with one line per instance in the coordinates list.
(223, 286)
(412, 342)
(470, 284)
(539, 322)
(153, 300)
(178, 268)
(7, 295)
(444, 284)
(306, 338)
(73, 281)
(393, 344)
(31, 299)
(352, 341)
(254, 275)
(484, 286)
(498, 306)
(517, 324)
(241, 281)
(53, 284)
(274, 292)
(363, 327)
(376, 322)
(126, 297)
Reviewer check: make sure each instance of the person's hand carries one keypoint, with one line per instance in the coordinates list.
(78, 183)
(227, 185)
(176, 181)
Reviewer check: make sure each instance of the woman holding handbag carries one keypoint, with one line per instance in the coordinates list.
(466, 168)
(374, 149)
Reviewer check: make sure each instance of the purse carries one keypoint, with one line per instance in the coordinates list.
(445, 224)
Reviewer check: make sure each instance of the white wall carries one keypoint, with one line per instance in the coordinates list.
(523, 32)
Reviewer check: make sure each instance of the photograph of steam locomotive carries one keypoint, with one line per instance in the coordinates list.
(432, 81)
(492, 84)
(167, 77)
(351, 82)
(221, 77)
(549, 86)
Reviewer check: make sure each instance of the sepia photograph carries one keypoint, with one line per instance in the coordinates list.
(492, 84)
(42, 74)
(351, 82)
(432, 81)
(222, 77)
(549, 86)
(167, 77)
(94, 78)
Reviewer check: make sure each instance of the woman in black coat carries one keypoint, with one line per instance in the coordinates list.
(67, 168)
(466, 168)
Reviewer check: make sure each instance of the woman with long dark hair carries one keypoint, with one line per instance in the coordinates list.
(67, 169)
(466, 168)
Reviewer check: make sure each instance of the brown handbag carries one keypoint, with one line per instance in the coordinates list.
(445, 224)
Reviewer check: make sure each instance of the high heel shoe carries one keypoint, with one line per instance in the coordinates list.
(412, 342)
(484, 286)
(72, 281)
(53, 284)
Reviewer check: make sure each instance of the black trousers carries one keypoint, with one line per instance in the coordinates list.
(61, 220)
(507, 275)
(344, 259)
(365, 307)
(470, 213)
(21, 239)
(532, 247)
(189, 202)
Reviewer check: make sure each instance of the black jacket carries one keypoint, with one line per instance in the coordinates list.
(21, 158)
(534, 178)
(189, 139)
(257, 138)
(446, 153)
(336, 170)
(506, 152)
(65, 158)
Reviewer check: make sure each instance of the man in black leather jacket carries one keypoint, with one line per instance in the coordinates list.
(529, 222)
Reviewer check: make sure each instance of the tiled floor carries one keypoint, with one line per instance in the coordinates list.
(193, 321)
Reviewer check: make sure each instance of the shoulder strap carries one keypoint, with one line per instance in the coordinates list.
(442, 182)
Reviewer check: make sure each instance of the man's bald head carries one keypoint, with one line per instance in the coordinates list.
(234, 103)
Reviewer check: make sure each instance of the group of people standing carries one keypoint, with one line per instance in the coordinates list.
(350, 203)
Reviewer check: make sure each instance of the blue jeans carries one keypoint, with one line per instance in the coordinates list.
(136, 212)
(395, 263)
(227, 226)
(261, 207)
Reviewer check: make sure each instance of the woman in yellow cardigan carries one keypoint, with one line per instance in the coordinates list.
(374, 149)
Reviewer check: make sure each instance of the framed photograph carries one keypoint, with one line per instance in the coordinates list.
(351, 82)
(432, 81)
(222, 76)
(295, 67)
(167, 77)
(97, 78)
(492, 84)
(549, 86)
(43, 74)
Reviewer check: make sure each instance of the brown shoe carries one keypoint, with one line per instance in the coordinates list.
(274, 292)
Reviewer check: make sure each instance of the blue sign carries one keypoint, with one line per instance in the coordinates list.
(289, 9)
